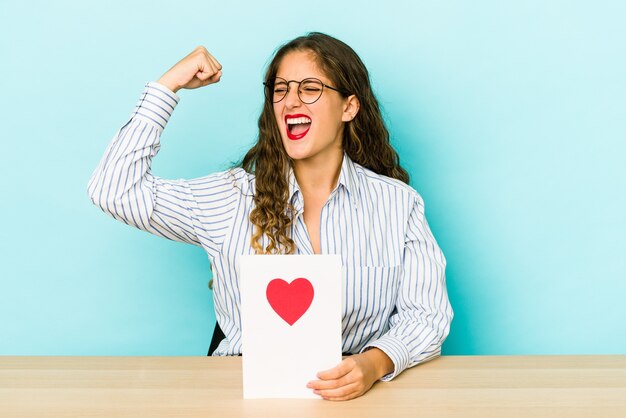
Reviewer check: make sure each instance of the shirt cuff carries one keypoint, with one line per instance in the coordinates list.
(156, 104)
(397, 352)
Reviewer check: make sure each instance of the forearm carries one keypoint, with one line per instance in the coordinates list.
(423, 314)
(411, 342)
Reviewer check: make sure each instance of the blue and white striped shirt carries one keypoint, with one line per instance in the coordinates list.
(394, 289)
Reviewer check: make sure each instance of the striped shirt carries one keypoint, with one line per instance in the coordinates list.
(394, 293)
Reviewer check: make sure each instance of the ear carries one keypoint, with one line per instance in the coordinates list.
(351, 107)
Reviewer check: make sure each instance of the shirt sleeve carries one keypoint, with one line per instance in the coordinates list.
(123, 186)
(421, 321)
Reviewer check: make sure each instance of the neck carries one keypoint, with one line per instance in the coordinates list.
(316, 177)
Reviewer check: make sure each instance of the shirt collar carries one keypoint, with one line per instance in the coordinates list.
(348, 179)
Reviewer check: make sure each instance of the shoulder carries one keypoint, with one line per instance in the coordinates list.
(371, 181)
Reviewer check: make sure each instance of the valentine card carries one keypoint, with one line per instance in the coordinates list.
(290, 320)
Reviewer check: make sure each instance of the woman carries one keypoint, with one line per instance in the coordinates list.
(321, 179)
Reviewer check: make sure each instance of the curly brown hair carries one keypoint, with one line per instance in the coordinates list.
(366, 141)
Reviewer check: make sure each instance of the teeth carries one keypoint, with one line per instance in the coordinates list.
(295, 121)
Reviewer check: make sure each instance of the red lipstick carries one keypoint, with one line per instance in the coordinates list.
(299, 135)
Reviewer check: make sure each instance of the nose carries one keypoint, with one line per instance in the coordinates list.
(292, 99)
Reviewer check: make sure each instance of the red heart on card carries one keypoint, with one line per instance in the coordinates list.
(290, 300)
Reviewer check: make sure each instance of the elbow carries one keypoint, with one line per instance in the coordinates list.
(99, 196)
(110, 205)
(444, 329)
(121, 204)
(94, 193)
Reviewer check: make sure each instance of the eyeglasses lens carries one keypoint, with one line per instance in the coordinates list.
(309, 90)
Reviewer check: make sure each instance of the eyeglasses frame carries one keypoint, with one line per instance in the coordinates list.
(268, 85)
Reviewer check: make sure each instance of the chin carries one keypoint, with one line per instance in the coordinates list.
(295, 151)
(297, 155)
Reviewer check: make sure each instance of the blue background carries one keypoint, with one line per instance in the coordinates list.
(509, 116)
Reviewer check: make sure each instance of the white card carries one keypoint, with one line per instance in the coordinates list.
(285, 340)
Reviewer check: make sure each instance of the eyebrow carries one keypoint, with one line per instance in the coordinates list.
(311, 76)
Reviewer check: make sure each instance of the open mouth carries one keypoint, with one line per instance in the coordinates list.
(297, 126)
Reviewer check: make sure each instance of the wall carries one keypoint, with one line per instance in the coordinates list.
(509, 116)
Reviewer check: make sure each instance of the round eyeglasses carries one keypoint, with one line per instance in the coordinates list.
(309, 89)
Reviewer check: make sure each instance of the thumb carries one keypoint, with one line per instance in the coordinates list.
(209, 78)
(204, 74)
(215, 77)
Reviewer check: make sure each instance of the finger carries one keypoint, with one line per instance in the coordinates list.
(338, 371)
(210, 60)
(215, 66)
(343, 398)
(214, 61)
(215, 77)
(330, 384)
(212, 79)
(205, 71)
(345, 392)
